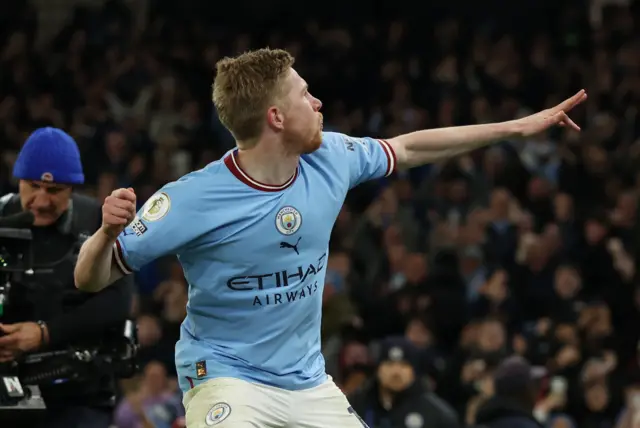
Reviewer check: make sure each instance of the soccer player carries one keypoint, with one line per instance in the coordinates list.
(251, 231)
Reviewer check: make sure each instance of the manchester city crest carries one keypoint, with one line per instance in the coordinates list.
(288, 220)
(217, 414)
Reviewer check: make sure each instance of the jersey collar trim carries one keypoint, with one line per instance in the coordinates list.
(231, 162)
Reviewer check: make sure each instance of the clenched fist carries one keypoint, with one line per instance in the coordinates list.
(118, 211)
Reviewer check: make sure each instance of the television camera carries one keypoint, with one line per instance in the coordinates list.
(112, 355)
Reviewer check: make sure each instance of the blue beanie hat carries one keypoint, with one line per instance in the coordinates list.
(49, 154)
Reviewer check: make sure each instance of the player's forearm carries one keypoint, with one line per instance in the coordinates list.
(432, 145)
(93, 269)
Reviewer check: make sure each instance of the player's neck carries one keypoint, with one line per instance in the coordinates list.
(273, 167)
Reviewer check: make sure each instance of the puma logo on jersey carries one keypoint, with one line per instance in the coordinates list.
(294, 247)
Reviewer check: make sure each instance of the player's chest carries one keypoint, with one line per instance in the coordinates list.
(284, 225)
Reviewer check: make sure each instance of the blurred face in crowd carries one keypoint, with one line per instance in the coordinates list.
(596, 397)
(148, 331)
(418, 333)
(491, 336)
(469, 264)
(601, 325)
(595, 232)
(493, 162)
(388, 202)
(395, 376)
(567, 282)
(47, 201)
(626, 206)
(392, 236)
(561, 422)
(567, 334)
(155, 378)
(106, 183)
(499, 204)
(538, 255)
(415, 268)
(552, 238)
(355, 353)
(538, 188)
(563, 207)
(396, 255)
(403, 189)
(458, 191)
(115, 145)
(595, 159)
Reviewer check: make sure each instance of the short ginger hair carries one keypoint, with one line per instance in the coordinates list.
(245, 86)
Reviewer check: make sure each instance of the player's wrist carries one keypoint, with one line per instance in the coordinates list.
(109, 234)
(512, 128)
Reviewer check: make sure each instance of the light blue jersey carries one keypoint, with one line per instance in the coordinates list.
(255, 258)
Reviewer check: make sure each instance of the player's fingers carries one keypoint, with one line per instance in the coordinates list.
(117, 212)
(571, 102)
(120, 203)
(125, 194)
(570, 123)
(111, 220)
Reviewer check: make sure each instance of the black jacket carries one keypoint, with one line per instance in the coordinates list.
(413, 408)
(500, 412)
(72, 316)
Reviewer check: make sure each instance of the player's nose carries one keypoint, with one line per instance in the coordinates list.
(317, 104)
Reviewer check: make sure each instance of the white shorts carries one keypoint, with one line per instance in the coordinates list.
(228, 402)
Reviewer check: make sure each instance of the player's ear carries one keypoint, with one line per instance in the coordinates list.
(275, 118)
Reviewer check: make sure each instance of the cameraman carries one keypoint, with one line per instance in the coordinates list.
(50, 313)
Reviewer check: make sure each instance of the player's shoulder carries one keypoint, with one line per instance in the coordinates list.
(342, 143)
(333, 143)
(196, 186)
(335, 140)
(210, 174)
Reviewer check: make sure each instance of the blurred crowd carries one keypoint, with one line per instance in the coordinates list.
(436, 275)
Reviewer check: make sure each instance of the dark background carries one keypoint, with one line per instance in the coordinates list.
(525, 247)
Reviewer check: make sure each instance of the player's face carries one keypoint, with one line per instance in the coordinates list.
(303, 120)
(47, 201)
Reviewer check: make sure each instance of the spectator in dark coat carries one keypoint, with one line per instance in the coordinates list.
(516, 389)
(397, 398)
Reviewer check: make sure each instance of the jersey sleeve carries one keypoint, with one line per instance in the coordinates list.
(366, 158)
(165, 225)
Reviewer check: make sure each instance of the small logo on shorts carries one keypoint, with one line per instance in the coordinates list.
(288, 220)
(217, 414)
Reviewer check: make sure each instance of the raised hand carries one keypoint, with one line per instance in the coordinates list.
(541, 121)
(118, 211)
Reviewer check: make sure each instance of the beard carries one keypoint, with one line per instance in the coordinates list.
(314, 144)
(296, 144)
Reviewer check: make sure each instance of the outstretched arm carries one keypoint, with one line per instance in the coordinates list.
(431, 145)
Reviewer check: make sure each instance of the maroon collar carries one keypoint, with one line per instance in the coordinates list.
(231, 161)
